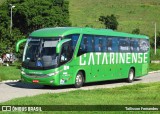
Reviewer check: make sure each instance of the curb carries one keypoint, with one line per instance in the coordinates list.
(5, 81)
(154, 72)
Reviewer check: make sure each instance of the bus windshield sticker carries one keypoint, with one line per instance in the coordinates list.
(50, 43)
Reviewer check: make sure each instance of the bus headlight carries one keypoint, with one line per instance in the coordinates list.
(52, 74)
(23, 73)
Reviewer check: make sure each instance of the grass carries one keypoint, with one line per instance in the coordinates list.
(10, 73)
(139, 94)
(131, 14)
(154, 67)
(153, 56)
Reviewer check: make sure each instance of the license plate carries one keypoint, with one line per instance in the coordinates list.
(35, 81)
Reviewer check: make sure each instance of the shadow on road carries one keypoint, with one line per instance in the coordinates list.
(24, 85)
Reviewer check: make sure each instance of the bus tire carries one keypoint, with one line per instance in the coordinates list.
(79, 80)
(131, 76)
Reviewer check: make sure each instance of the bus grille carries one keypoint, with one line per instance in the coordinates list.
(36, 75)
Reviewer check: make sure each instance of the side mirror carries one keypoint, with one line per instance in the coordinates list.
(59, 45)
(18, 43)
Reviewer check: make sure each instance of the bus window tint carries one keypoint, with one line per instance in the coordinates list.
(97, 44)
(104, 44)
(113, 44)
(89, 43)
(74, 39)
(100, 44)
(124, 45)
(109, 44)
(134, 45)
(144, 45)
(66, 53)
(86, 45)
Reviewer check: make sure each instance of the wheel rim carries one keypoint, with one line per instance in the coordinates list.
(131, 75)
(79, 79)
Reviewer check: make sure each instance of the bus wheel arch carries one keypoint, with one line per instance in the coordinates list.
(131, 75)
(79, 79)
(84, 74)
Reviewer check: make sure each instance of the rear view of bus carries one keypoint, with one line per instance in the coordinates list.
(69, 55)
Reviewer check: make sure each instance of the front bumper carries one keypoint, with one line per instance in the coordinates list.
(50, 80)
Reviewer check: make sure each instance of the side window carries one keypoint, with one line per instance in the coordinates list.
(113, 44)
(109, 44)
(74, 39)
(124, 45)
(86, 44)
(104, 44)
(89, 45)
(97, 44)
(144, 45)
(135, 45)
(100, 44)
(66, 53)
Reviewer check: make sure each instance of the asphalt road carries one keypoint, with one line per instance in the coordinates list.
(11, 90)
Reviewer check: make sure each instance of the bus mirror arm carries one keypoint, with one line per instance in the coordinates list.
(18, 44)
(59, 45)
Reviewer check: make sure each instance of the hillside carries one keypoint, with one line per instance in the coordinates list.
(131, 14)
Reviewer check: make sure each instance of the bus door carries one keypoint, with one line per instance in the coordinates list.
(64, 58)
(84, 53)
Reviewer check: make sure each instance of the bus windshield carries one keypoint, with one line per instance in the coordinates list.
(40, 53)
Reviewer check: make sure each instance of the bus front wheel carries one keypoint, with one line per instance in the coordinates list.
(79, 80)
(130, 76)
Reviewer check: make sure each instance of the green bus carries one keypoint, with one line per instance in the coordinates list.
(74, 56)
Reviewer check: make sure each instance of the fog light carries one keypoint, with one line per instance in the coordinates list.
(51, 81)
(23, 73)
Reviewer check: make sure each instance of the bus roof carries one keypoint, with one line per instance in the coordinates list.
(62, 31)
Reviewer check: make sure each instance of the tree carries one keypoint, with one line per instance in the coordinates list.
(34, 14)
(30, 15)
(152, 41)
(110, 22)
